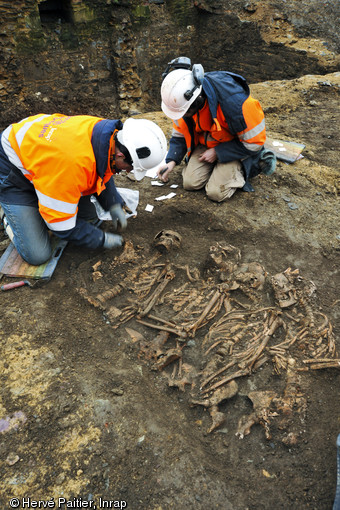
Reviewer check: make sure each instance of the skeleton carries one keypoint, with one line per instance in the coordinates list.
(285, 292)
(110, 293)
(209, 311)
(150, 303)
(153, 350)
(129, 254)
(268, 405)
(165, 240)
(261, 401)
(93, 301)
(146, 280)
(225, 258)
(242, 337)
(250, 278)
(170, 327)
(247, 359)
(183, 375)
(292, 397)
(169, 357)
(212, 403)
(193, 275)
(290, 288)
(96, 275)
(117, 316)
(113, 313)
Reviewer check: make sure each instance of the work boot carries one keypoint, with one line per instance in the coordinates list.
(267, 162)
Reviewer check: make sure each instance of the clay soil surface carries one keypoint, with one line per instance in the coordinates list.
(87, 412)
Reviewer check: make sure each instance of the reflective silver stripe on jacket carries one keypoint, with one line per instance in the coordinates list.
(252, 146)
(253, 132)
(55, 204)
(10, 152)
(8, 149)
(60, 206)
(177, 133)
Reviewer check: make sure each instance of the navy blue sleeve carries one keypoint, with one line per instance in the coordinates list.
(109, 196)
(177, 149)
(83, 234)
(233, 150)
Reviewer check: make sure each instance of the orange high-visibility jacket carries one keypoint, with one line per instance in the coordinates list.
(56, 154)
(231, 121)
(211, 132)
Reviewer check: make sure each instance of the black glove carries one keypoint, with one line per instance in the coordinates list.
(112, 241)
(118, 217)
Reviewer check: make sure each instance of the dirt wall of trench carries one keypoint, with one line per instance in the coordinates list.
(106, 58)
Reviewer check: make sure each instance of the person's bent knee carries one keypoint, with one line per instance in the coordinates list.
(219, 195)
(189, 185)
(215, 196)
(36, 258)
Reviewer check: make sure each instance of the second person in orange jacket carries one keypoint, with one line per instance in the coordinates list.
(218, 126)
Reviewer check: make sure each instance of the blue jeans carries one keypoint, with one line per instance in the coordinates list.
(31, 235)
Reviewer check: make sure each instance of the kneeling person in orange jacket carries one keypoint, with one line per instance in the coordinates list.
(50, 165)
(218, 125)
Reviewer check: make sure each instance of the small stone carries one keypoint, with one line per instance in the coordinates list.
(12, 459)
(60, 478)
(117, 391)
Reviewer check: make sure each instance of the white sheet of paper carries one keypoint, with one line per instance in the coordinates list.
(157, 183)
(165, 197)
(130, 197)
(153, 171)
(149, 208)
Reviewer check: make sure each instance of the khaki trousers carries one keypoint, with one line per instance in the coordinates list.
(221, 180)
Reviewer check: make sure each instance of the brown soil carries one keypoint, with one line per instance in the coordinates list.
(89, 415)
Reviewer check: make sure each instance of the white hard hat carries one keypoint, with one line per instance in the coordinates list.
(179, 90)
(146, 144)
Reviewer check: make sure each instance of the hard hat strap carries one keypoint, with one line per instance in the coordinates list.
(189, 93)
